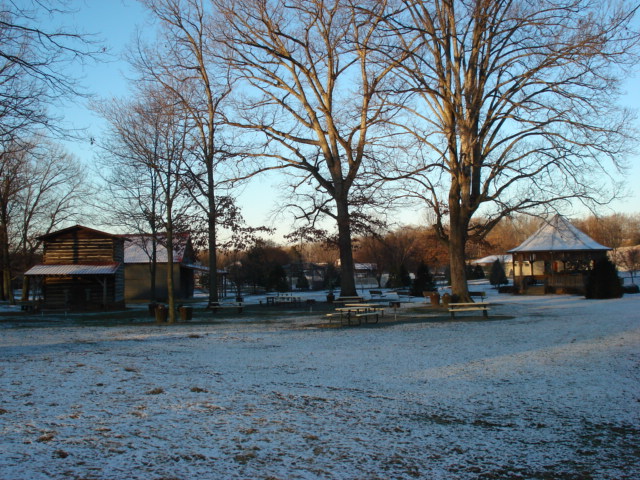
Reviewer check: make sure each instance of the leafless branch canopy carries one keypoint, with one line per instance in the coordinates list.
(514, 103)
(34, 65)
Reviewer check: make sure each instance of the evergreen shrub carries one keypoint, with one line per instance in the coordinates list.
(603, 280)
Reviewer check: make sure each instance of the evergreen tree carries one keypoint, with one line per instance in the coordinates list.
(302, 283)
(277, 279)
(423, 281)
(497, 276)
(331, 277)
(603, 280)
(399, 277)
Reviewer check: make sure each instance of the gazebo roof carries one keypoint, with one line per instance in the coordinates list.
(559, 235)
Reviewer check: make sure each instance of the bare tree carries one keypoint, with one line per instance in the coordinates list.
(131, 198)
(183, 62)
(55, 193)
(149, 136)
(514, 108)
(41, 188)
(372, 249)
(314, 91)
(34, 65)
(613, 230)
(12, 181)
(628, 258)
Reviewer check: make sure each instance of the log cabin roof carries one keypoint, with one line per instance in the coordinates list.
(78, 228)
(558, 234)
(73, 269)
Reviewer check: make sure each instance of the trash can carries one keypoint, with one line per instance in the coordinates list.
(161, 313)
(435, 298)
(446, 299)
(186, 313)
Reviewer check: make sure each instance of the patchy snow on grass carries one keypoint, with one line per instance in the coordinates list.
(548, 387)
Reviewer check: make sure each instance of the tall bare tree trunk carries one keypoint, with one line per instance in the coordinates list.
(347, 266)
(457, 257)
(6, 265)
(213, 244)
(24, 295)
(170, 292)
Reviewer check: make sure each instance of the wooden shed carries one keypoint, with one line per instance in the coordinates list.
(555, 259)
(81, 269)
(137, 257)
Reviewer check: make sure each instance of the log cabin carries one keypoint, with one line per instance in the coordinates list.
(82, 269)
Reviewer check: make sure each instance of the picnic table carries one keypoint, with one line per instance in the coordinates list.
(281, 299)
(358, 311)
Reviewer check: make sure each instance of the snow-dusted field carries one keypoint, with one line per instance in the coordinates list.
(551, 393)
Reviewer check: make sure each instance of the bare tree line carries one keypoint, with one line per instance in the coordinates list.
(388, 253)
(472, 109)
(41, 185)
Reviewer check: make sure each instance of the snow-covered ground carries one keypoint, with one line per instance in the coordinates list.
(547, 388)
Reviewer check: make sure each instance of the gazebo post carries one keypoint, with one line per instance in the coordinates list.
(532, 259)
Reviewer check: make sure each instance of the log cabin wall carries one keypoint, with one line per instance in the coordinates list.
(80, 247)
(118, 256)
(80, 293)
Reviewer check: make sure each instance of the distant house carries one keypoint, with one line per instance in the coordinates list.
(555, 259)
(137, 259)
(314, 272)
(81, 269)
(487, 262)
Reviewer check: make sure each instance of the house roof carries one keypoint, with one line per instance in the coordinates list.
(492, 258)
(201, 268)
(138, 248)
(73, 269)
(558, 234)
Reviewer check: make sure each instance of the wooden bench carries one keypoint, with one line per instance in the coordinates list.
(342, 314)
(223, 306)
(469, 307)
(482, 295)
(364, 310)
(373, 312)
(29, 306)
(403, 293)
(349, 299)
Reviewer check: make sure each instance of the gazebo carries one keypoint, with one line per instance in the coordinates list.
(555, 259)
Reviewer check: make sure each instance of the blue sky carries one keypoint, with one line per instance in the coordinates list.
(115, 21)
